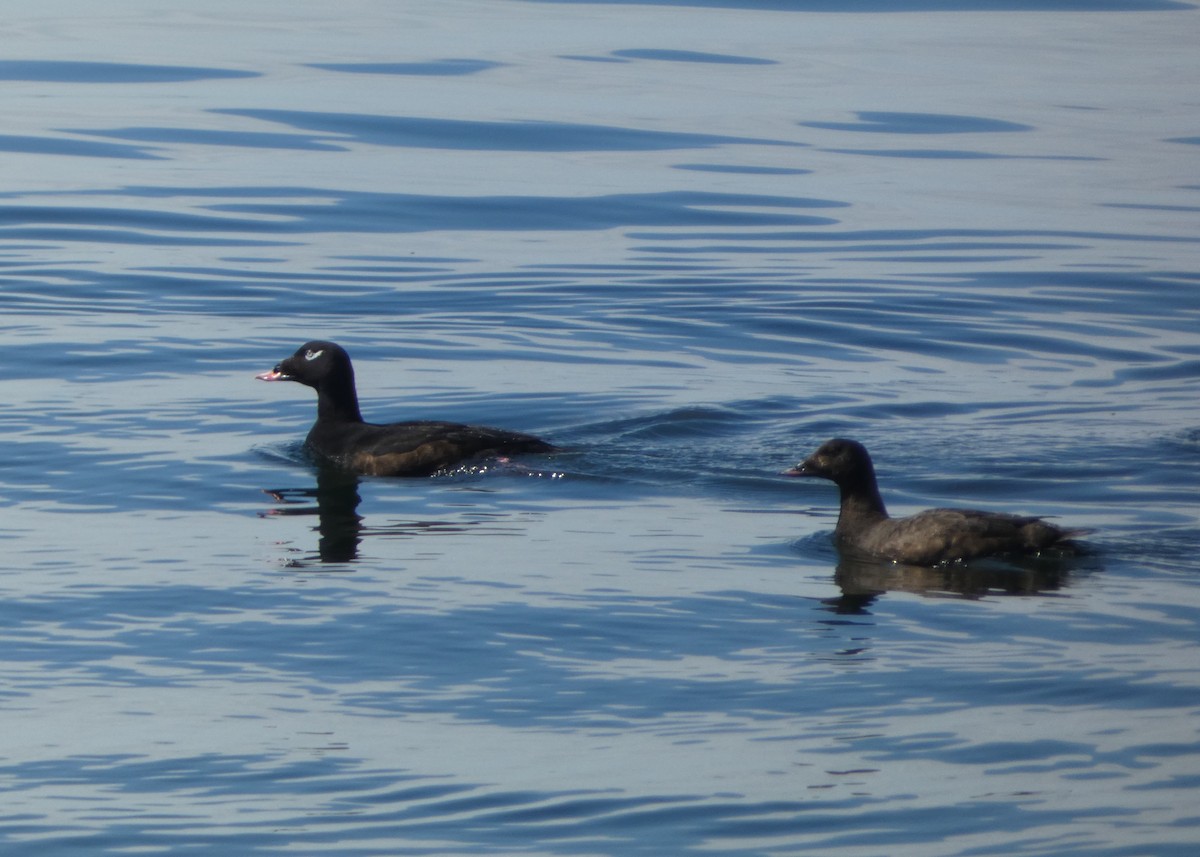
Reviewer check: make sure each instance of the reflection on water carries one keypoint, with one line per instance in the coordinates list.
(864, 580)
(688, 238)
(339, 527)
(857, 576)
(341, 530)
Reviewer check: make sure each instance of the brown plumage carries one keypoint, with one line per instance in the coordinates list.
(418, 448)
(931, 537)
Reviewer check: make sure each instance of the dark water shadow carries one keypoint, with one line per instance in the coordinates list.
(44, 145)
(491, 136)
(164, 135)
(892, 122)
(431, 68)
(56, 71)
(667, 55)
(954, 155)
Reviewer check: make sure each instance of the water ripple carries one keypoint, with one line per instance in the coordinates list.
(492, 136)
(442, 67)
(75, 72)
(885, 122)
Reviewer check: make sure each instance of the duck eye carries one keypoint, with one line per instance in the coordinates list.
(313, 355)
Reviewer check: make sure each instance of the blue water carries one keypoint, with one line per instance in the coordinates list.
(687, 242)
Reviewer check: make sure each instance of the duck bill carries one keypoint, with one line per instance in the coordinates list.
(801, 469)
(273, 375)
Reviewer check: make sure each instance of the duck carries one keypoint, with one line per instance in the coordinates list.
(929, 538)
(342, 437)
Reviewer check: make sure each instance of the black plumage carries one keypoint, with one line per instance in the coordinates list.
(417, 448)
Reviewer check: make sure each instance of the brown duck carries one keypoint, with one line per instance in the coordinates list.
(932, 537)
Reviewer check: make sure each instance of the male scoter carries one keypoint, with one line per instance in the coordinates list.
(417, 448)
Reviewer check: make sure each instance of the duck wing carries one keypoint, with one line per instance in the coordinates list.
(415, 448)
(950, 535)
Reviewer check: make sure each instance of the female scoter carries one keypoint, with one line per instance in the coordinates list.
(932, 537)
(416, 448)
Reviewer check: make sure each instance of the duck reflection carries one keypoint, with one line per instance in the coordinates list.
(341, 529)
(339, 526)
(863, 579)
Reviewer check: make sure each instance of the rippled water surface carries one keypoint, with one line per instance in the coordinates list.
(687, 242)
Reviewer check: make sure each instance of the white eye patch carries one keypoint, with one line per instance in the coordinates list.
(313, 355)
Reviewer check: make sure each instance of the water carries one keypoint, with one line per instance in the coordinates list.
(687, 242)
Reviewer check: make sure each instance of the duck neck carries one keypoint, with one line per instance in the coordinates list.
(338, 403)
(860, 504)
